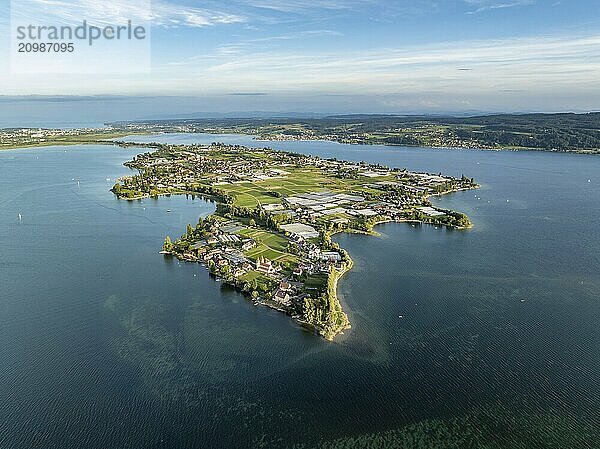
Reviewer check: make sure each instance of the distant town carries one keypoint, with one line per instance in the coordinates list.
(39, 137)
(271, 234)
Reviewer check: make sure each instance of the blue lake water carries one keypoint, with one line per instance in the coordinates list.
(104, 343)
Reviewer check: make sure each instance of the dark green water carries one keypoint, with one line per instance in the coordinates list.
(105, 344)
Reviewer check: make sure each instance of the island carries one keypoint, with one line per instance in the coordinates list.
(276, 212)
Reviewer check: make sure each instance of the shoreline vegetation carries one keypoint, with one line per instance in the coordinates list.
(568, 133)
(563, 133)
(270, 236)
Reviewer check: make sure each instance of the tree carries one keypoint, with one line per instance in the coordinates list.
(168, 245)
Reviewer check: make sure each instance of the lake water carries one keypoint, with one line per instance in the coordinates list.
(106, 344)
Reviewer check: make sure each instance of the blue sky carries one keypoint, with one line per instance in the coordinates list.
(348, 55)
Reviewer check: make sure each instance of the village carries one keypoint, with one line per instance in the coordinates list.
(270, 236)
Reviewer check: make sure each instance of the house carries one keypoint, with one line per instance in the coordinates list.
(282, 297)
(285, 286)
(248, 245)
(190, 257)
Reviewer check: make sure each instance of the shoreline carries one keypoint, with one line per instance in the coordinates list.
(588, 152)
(118, 135)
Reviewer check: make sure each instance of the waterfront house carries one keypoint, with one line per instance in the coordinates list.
(282, 297)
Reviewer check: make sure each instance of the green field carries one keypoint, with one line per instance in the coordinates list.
(259, 193)
(315, 282)
(269, 245)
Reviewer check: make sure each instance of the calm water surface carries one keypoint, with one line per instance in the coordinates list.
(104, 343)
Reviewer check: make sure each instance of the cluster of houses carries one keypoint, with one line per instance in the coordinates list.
(224, 247)
(315, 260)
(28, 136)
(172, 167)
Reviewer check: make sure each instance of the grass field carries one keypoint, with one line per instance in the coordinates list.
(315, 282)
(269, 245)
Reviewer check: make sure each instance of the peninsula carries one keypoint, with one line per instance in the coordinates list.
(270, 236)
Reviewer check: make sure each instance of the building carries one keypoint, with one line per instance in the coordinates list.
(432, 212)
(302, 230)
(264, 266)
(331, 256)
(248, 245)
(282, 297)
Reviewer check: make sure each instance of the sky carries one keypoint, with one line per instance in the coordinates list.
(330, 56)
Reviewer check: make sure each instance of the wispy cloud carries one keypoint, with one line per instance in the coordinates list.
(372, 7)
(253, 44)
(487, 5)
(156, 12)
(537, 63)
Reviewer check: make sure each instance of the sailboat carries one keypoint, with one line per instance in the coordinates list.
(20, 217)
